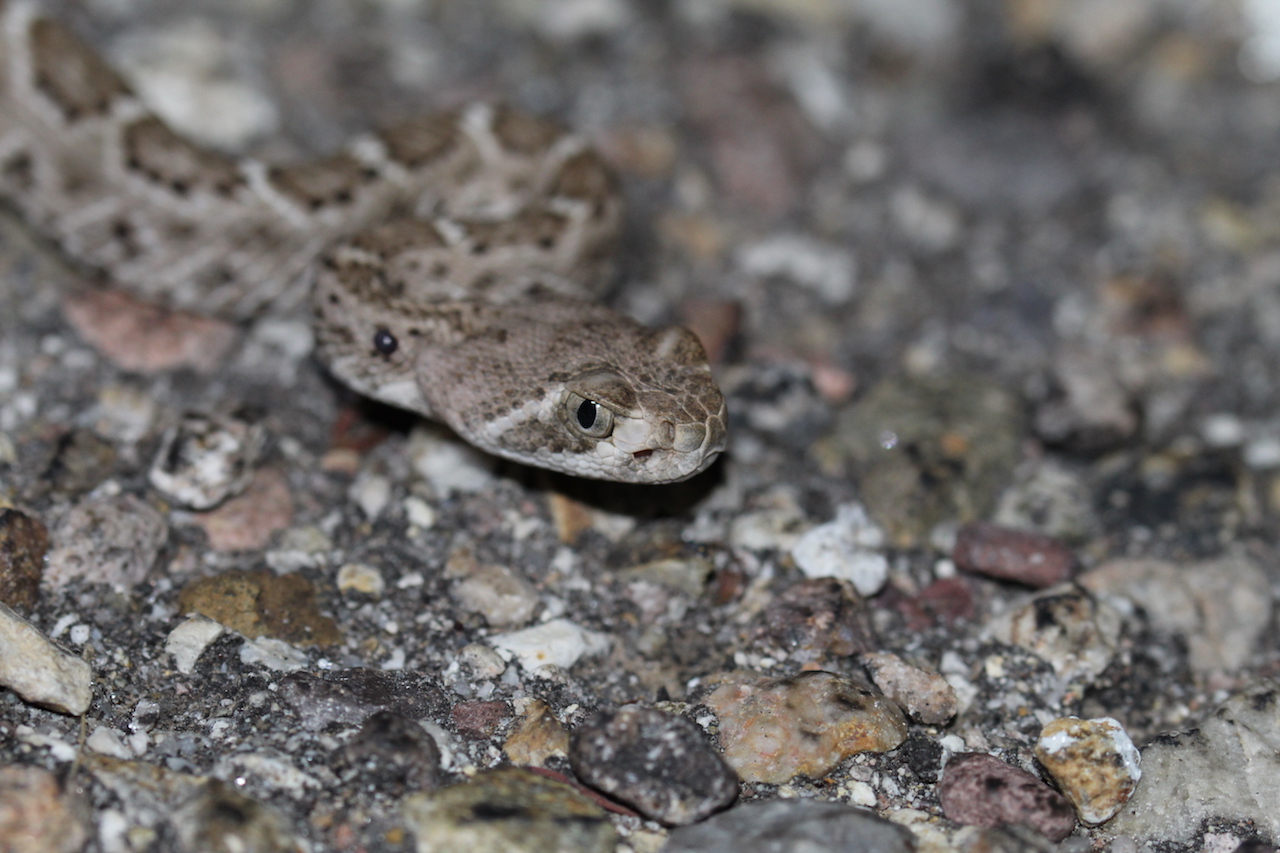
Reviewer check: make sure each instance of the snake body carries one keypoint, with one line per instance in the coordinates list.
(449, 260)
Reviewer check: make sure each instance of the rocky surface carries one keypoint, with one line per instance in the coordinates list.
(994, 291)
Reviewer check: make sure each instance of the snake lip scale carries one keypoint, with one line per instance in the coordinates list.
(451, 262)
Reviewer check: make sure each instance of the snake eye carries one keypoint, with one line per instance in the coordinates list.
(588, 417)
(384, 342)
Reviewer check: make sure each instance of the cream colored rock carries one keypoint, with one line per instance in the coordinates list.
(39, 671)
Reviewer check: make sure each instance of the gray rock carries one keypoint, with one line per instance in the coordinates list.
(113, 540)
(1227, 768)
(351, 696)
(792, 826)
(658, 763)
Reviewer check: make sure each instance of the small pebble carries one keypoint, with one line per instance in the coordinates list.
(537, 737)
(39, 671)
(351, 696)
(925, 696)
(188, 641)
(504, 598)
(361, 578)
(37, 815)
(1093, 763)
(23, 543)
(1014, 555)
(206, 459)
(793, 826)
(558, 642)
(1066, 627)
(981, 790)
(814, 620)
(392, 753)
(222, 818)
(248, 521)
(510, 809)
(478, 720)
(660, 764)
(845, 548)
(146, 338)
(262, 604)
(774, 729)
(112, 540)
(81, 461)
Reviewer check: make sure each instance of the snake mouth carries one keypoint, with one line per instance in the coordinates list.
(642, 455)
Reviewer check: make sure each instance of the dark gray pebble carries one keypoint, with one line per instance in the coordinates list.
(660, 764)
(393, 753)
(351, 696)
(793, 826)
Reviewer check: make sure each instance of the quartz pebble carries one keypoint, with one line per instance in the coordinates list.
(23, 542)
(1224, 769)
(188, 641)
(773, 729)
(1093, 763)
(846, 547)
(1066, 627)
(36, 815)
(205, 459)
(500, 595)
(792, 826)
(113, 540)
(981, 790)
(558, 642)
(537, 737)
(1014, 555)
(508, 809)
(659, 764)
(39, 671)
(925, 696)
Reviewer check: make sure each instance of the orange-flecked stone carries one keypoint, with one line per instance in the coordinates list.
(773, 729)
(1094, 763)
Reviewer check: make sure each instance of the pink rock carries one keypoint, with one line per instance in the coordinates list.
(1015, 555)
(248, 521)
(140, 336)
(981, 790)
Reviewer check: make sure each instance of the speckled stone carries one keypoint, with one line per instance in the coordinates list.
(661, 765)
(982, 790)
(37, 816)
(793, 826)
(1224, 768)
(349, 697)
(1014, 555)
(249, 520)
(508, 811)
(479, 719)
(39, 671)
(925, 696)
(500, 595)
(774, 729)
(392, 753)
(112, 540)
(262, 604)
(1067, 627)
(23, 543)
(814, 620)
(1093, 763)
(204, 459)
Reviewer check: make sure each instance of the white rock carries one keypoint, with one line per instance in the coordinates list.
(559, 642)
(205, 460)
(39, 671)
(359, 577)
(273, 654)
(845, 548)
(108, 741)
(828, 271)
(188, 641)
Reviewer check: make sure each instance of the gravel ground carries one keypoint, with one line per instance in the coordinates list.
(993, 289)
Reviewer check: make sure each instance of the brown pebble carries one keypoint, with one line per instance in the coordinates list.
(1034, 559)
(138, 335)
(479, 719)
(23, 543)
(943, 602)
(537, 737)
(262, 604)
(981, 790)
(36, 815)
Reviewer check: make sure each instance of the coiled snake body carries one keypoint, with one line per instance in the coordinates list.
(449, 260)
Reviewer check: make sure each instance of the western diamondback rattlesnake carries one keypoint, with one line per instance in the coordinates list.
(455, 257)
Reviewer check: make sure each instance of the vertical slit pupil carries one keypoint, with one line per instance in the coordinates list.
(587, 414)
